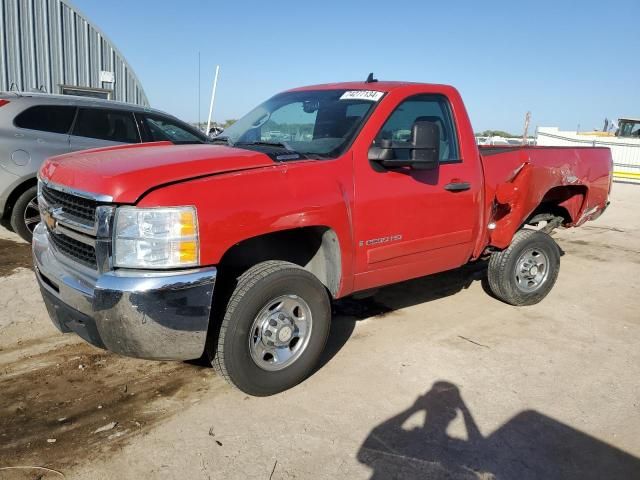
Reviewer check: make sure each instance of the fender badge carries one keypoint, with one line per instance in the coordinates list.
(378, 241)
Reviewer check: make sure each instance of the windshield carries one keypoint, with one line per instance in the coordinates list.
(314, 123)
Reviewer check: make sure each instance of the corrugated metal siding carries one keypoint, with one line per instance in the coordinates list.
(45, 44)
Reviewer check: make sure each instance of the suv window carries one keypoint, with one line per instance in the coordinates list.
(106, 124)
(164, 129)
(432, 108)
(47, 118)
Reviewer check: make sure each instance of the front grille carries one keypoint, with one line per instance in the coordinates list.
(72, 205)
(78, 251)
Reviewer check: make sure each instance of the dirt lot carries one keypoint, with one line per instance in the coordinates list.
(428, 379)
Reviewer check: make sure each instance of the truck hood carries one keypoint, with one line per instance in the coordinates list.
(125, 173)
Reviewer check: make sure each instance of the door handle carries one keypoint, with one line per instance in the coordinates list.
(457, 186)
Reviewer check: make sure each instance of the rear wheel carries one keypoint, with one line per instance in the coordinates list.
(274, 329)
(525, 272)
(25, 214)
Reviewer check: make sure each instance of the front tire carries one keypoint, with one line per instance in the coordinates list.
(274, 329)
(525, 272)
(25, 214)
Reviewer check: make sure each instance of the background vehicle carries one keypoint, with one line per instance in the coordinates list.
(628, 128)
(34, 127)
(275, 230)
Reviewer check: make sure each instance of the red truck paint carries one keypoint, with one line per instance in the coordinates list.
(390, 226)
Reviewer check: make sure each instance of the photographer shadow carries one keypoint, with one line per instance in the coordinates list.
(531, 445)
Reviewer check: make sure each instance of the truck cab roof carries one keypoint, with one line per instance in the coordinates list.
(379, 86)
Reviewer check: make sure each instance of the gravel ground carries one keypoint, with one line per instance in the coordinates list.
(431, 378)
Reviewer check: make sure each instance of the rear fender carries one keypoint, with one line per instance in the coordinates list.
(508, 207)
(531, 189)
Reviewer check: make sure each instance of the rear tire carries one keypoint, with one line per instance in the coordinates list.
(25, 214)
(525, 272)
(274, 329)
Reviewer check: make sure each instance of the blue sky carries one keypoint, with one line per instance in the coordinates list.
(569, 63)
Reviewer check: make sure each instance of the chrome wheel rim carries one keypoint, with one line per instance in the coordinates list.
(280, 332)
(31, 215)
(532, 269)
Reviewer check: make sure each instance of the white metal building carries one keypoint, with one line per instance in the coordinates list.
(48, 46)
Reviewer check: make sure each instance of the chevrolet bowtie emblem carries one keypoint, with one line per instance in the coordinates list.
(49, 219)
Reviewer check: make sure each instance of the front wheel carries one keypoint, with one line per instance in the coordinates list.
(525, 272)
(274, 329)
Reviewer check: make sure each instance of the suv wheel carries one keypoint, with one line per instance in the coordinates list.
(25, 214)
(274, 329)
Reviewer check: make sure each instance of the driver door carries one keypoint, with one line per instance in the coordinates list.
(408, 222)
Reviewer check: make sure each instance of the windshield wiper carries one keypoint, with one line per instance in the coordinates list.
(224, 140)
(288, 151)
(268, 144)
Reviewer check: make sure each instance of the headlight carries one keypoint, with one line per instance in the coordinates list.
(156, 237)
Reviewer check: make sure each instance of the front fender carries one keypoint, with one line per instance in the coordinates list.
(238, 206)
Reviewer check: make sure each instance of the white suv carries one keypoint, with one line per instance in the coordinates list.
(34, 127)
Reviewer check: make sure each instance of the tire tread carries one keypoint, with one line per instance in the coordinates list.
(499, 274)
(246, 282)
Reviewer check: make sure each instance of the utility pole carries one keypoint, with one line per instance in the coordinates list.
(213, 97)
(199, 90)
(525, 135)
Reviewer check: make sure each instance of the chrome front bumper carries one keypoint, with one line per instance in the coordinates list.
(145, 314)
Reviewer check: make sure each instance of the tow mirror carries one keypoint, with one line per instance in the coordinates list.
(424, 149)
(426, 145)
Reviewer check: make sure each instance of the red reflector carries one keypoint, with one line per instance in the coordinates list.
(3, 102)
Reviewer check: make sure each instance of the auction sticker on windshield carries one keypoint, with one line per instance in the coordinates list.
(371, 95)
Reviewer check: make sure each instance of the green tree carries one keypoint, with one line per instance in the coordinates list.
(494, 133)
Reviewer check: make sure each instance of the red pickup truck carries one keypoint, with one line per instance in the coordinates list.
(235, 250)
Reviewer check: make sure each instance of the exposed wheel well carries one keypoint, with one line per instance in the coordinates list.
(13, 196)
(565, 202)
(316, 249)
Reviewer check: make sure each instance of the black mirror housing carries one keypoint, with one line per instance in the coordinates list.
(382, 153)
(424, 149)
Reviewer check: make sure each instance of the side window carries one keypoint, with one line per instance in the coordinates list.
(47, 118)
(162, 129)
(432, 108)
(106, 124)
